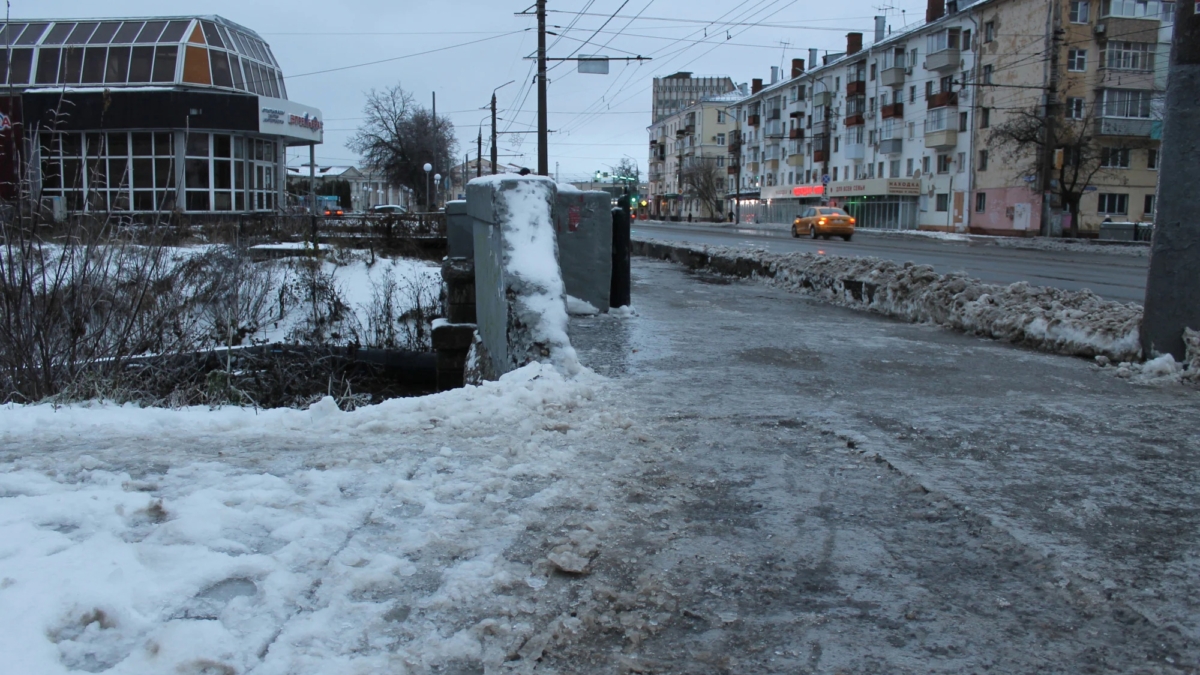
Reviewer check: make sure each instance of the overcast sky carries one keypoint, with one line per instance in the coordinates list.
(738, 38)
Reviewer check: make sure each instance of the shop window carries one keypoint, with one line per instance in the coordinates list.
(197, 145)
(221, 146)
(164, 145)
(143, 174)
(104, 33)
(164, 173)
(173, 32)
(165, 59)
(93, 65)
(197, 200)
(195, 66)
(141, 64)
(127, 32)
(220, 68)
(117, 70)
(21, 61)
(71, 67)
(47, 67)
(82, 32)
(235, 69)
(150, 32)
(143, 144)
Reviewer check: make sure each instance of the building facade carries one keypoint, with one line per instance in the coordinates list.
(694, 136)
(673, 93)
(143, 115)
(1110, 66)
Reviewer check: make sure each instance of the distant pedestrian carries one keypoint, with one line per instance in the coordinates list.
(731, 216)
(689, 216)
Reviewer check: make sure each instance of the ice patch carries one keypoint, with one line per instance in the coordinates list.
(577, 307)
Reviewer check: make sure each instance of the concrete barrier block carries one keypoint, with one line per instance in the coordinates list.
(460, 237)
(520, 298)
(583, 227)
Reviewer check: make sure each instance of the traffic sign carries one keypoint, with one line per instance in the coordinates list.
(825, 179)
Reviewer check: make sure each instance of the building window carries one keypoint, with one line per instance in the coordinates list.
(1075, 108)
(987, 74)
(1152, 159)
(1122, 55)
(1130, 103)
(925, 165)
(1148, 207)
(720, 139)
(1134, 8)
(720, 117)
(908, 168)
(1114, 158)
(836, 143)
(1077, 60)
(943, 202)
(1113, 203)
(837, 83)
(894, 168)
(835, 173)
(873, 68)
(912, 94)
(962, 162)
(1080, 11)
(966, 40)
(943, 163)
(912, 130)
(983, 160)
(929, 90)
(962, 121)
(985, 118)
(980, 202)
(989, 31)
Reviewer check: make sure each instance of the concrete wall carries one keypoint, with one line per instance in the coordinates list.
(583, 226)
(460, 232)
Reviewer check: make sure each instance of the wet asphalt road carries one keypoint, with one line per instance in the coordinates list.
(820, 490)
(1116, 277)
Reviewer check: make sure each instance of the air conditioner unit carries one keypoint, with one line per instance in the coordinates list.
(1100, 28)
(908, 70)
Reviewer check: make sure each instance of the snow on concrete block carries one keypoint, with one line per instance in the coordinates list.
(519, 291)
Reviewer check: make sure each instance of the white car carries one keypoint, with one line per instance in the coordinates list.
(388, 209)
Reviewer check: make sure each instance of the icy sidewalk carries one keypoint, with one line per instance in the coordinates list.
(229, 541)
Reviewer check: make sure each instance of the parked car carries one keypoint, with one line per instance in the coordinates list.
(824, 221)
(333, 211)
(387, 209)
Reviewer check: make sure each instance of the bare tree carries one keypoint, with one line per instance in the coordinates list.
(398, 137)
(704, 181)
(1079, 157)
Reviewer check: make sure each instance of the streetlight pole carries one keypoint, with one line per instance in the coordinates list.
(437, 187)
(543, 124)
(495, 150)
(428, 190)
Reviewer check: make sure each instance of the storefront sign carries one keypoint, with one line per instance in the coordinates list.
(298, 123)
(792, 191)
(877, 186)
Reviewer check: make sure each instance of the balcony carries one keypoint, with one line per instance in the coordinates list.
(892, 110)
(856, 88)
(752, 167)
(690, 129)
(796, 134)
(855, 120)
(891, 146)
(1119, 126)
(733, 169)
(855, 150)
(822, 98)
(773, 128)
(754, 120)
(820, 156)
(941, 139)
(944, 99)
(795, 160)
(775, 114)
(892, 77)
(947, 59)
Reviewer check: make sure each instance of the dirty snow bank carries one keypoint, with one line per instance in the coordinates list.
(397, 538)
(1067, 322)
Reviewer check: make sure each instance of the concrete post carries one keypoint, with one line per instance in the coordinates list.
(583, 227)
(619, 293)
(1173, 287)
(520, 299)
(460, 233)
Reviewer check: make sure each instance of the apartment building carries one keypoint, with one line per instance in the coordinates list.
(1110, 63)
(699, 132)
(882, 131)
(674, 93)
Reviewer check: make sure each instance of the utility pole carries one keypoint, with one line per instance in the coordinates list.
(479, 156)
(543, 124)
(1173, 289)
(312, 192)
(494, 149)
(435, 133)
(1051, 133)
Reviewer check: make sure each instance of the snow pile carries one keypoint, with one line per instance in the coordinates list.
(577, 307)
(1051, 244)
(396, 538)
(534, 280)
(1068, 322)
(1163, 369)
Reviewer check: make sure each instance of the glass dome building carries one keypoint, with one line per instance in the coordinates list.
(183, 114)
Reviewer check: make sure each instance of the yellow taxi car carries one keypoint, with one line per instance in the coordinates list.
(824, 221)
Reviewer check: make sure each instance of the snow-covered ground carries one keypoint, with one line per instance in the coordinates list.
(285, 541)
